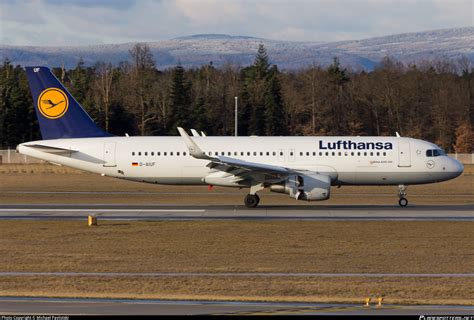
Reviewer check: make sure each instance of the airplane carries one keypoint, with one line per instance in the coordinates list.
(305, 168)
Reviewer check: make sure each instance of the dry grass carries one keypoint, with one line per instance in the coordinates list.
(241, 246)
(49, 178)
(238, 246)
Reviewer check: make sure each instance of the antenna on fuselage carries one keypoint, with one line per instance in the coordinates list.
(397, 134)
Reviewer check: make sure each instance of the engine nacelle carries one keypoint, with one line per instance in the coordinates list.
(307, 186)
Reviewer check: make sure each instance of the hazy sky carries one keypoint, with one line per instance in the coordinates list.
(81, 22)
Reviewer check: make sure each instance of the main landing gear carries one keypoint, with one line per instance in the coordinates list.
(252, 199)
(403, 202)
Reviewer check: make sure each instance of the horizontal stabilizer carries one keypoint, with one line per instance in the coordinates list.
(49, 149)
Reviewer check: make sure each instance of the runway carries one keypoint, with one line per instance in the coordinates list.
(65, 306)
(231, 212)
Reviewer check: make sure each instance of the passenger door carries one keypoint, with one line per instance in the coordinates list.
(404, 159)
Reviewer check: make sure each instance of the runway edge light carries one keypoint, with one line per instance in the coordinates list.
(91, 220)
(380, 300)
(367, 302)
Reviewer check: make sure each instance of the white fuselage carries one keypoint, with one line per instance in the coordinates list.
(166, 160)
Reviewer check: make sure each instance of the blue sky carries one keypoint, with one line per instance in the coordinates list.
(83, 22)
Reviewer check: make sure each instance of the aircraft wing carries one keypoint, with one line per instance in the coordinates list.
(49, 149)
(242, 168)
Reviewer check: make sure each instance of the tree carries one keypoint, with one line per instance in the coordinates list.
(200, 119)
(180, 100)
(275, 116)
(464, 138)
(142, 75)
(103, 83)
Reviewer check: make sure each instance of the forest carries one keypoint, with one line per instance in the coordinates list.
(430, 100)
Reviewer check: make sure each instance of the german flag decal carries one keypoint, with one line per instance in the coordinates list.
(134, 164)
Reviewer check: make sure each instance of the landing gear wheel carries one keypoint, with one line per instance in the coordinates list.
(403, 202)
(252, 200)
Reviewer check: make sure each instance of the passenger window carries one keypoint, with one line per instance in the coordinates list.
(281, 153)
(301, 153)
(164, 153)
(320, 154)
(139, 153)
(384, 153)
(133, 153)
(327, 153)
(229, 153)
(152, 153)
(365, 154)
(261, 153)
(268, 153)
(184, 153)
(171, 153)
(378, 153)
(177, 153)
(241, 153)
(371, 154)
(248, 153)
(314, 153)
(146, 153)
(222, 153)
(352, 154)
(339, 154)
(291, 153)
(307, 153)
(333, 153)
(274, 153)
(358, 153)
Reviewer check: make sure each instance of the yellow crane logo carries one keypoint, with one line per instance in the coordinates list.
(53, 103)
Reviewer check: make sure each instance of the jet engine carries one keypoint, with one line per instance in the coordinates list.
(307, 186)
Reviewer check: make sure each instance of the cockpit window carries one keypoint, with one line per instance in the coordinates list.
(435, 153)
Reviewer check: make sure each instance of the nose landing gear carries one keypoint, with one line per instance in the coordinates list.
(403, 202)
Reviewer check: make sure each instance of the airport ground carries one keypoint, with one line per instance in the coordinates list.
(22, 184)
(205, 256)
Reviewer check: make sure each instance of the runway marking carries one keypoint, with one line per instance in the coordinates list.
(233, 274)
(102, 210)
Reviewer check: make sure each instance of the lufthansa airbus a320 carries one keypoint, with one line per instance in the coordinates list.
(305, 168)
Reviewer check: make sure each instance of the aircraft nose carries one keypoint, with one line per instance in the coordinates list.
(457, 167)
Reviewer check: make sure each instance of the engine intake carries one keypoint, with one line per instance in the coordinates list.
(307, 186)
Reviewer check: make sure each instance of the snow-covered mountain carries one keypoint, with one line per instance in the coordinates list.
(197, 50)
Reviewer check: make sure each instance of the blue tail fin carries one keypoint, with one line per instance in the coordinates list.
(59, 114)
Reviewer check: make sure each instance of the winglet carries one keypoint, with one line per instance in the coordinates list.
(193, 148)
